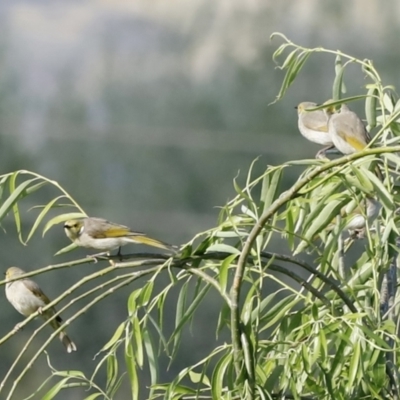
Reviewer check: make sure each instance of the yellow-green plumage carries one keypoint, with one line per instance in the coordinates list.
(103, 235)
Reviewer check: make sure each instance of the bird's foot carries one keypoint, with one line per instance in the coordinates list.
(97, 256)
(119, 255)
(17, 327)
(321, 155)
(40, 310)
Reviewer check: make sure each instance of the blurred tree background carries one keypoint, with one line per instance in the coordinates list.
(145, 112)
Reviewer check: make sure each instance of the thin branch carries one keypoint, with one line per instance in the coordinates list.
(47, 322)
(105, 294)
(87, 260)
(330, 282)
(68, 264)
(130, 264)
(303, 282)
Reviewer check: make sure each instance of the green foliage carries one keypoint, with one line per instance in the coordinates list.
(329, 335)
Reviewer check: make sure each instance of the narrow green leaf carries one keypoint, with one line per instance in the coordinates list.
(305, 357)
(301, 60)
(190, 310)
(145, 293)
(387, 102)
(224, 248)
(112, 371)
(370, 106)
(66, 249)
(18, 193)
(338, 86)
(3, 183)
(384, 197)
(263, 394)
(270, 186)
(278, 52)
(279, 35)
(276, 376)
(137, 334)
(240, 192)
(55, 389)
(132, 301)
(354, 366)
(132, 373)
(276, 312)
(151, 357)
(180, 312)
(365, 184)
(34, 188)
(17, 218)
(223, 318)
(223, 271)
(230, 234)
(379, 341)
(196, 377)
(324, 346)
(117, 334)
(93, 396)
(39, 218)
(290, 59)
(264, 303)
(290, 226)
(287, 80)
(70, 374)
(218, 376)
(116, 386)
(326, 217)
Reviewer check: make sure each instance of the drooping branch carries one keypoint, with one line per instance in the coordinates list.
(292, 193)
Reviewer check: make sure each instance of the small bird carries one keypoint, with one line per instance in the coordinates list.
(356, 219)
(347, 131)
(26, 297)
(313, 125)
(103, 235)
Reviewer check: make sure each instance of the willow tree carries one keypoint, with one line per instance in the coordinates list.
(327, 329)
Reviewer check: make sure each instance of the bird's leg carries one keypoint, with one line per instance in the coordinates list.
(97, 255)
(322, 153)
(119, 255)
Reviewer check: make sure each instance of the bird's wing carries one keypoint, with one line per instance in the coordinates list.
(35, 289)
(352, 140)
(107, 229)
(315, 121)
(352, 130)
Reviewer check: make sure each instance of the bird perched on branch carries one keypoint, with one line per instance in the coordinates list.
(347, 131)
(26, 297)
(103, 235)
(356, 219)
(313, 125)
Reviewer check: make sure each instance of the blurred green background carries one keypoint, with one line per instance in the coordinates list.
(145, 112)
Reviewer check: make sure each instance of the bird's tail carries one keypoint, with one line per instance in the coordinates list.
(67, 342)
(64, 338)
(153, 242)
